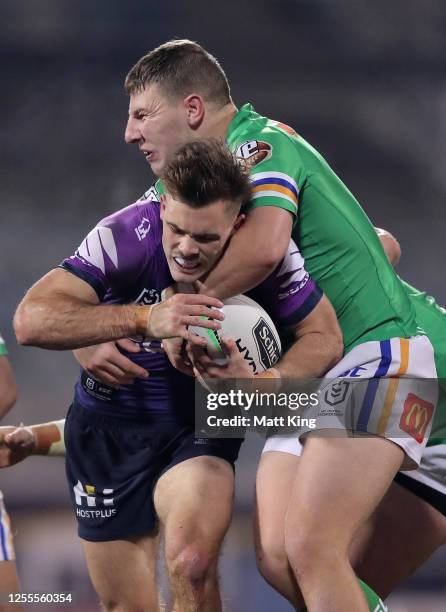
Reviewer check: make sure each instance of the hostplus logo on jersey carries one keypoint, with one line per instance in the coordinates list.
(93, 503)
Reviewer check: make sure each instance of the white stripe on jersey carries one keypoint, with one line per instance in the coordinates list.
(92, 249)
(269, 193)
(292, 262)
(281, 175)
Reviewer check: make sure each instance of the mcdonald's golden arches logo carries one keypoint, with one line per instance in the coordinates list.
(416, 417)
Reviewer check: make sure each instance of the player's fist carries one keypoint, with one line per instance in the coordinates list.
(16, 443)
(171, 318)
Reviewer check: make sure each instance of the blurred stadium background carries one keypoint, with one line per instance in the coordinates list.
(364, 82)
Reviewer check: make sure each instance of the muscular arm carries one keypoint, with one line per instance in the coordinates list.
(253, 253)
(62, 311)
(8, 388)
(318, 344)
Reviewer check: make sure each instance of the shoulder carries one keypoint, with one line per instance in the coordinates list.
(122, 241)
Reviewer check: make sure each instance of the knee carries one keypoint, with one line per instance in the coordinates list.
(308, 552)
(111, 605)
(272, 560)
(191, 563)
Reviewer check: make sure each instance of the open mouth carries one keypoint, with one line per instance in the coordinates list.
(187, 265)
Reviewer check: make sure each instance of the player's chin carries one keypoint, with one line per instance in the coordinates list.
(185, 276)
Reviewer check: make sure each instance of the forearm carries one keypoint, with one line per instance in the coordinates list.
(64, 322)
(49, 438)
(230, 277)
(252, 254)
(311, 356)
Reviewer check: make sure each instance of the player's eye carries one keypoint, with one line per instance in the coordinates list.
(175, 229)
(205, 239)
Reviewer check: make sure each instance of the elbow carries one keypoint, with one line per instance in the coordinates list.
(332, 344)
(336, 346)
(270, 257)
(25, 330)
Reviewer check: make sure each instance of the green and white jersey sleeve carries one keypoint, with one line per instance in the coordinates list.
(3, 349)
(268, 150)
(339, 244)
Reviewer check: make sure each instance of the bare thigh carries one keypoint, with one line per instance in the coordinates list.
(123, 572)
(403, 532)
(194, 502)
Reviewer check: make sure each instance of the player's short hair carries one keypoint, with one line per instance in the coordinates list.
(180, 67)
(204, 171)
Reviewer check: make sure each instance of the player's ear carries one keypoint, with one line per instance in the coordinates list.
(238, 223)
(194, 107)
(162, 205)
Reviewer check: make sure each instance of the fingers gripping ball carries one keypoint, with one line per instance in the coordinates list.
(252, 329)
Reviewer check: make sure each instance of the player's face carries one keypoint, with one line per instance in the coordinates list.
(194, 238)
(158, 125)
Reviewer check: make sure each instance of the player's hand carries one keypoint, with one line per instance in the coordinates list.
(174, 349)
(108, 365)
(171, 318)
(236, 367)
(16, 443)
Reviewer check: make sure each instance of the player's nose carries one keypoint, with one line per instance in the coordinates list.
(188, 247)
(132, 134)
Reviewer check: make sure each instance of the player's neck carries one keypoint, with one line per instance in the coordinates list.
(216, 123)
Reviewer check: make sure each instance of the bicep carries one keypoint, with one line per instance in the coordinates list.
(271, 228)
(60, 282)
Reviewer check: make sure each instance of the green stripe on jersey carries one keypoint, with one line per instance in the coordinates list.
(3, 349)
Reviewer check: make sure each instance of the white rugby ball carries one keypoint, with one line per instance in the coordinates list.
(252, 329)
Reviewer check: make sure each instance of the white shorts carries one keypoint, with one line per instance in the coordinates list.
(6, 545)
(432, 470)
(385, 388)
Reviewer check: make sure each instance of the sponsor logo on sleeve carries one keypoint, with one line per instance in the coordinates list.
(252, 152)
(417, 415)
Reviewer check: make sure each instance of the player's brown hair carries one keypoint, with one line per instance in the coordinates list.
(205, 171)
(180, 67)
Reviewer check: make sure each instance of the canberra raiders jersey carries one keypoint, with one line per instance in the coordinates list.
(3, 350)
(432, 318)
(341, 249)
(122, 259)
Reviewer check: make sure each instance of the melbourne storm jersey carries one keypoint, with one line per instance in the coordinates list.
(123, 260)
(339, 244)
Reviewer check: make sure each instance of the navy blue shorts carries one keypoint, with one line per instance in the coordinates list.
(113, 465)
